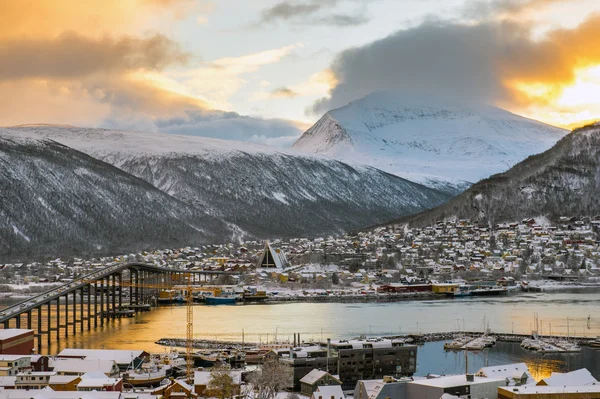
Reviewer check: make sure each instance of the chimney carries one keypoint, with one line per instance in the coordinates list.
(328, 347)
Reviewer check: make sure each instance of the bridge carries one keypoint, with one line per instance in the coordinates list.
(95, 298)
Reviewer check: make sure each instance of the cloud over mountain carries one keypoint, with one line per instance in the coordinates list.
(491, 61)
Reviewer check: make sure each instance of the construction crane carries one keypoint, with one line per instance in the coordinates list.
(189, 342)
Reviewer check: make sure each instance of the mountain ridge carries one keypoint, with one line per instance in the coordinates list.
(251, 191)
(562, 181)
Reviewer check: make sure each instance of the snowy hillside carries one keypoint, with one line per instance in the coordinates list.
(257, 191)
(58, 201)
(426, 140)
(563, 181)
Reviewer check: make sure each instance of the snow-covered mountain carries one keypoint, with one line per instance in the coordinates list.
(442, 144)
(256, 191)
(57, 201)
(562, 181)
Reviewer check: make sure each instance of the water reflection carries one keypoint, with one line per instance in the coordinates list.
(315, 321)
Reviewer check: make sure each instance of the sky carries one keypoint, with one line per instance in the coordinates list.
(265, 70)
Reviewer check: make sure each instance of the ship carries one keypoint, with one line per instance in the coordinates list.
(462, 290)
(254, 295)
(147, 376)
(220, 300)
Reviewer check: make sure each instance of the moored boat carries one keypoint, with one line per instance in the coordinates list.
(151, 375)
(220, 300)
(462, 290)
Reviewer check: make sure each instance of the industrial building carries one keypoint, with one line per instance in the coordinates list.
(352, 360)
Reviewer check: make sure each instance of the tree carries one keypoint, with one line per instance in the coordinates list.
(221, 384)
(335, 279)
(273, 377)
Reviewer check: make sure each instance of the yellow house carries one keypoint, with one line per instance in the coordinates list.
(444, 288)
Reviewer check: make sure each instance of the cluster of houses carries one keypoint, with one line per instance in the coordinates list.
(352, 369)
(529, 250)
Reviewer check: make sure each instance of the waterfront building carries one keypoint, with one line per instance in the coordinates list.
(353, 360)
(515, 374)
(315, 379)
(579, 377)
(16, 341)
(467, 386)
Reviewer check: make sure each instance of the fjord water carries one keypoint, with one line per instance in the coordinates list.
(315, 321)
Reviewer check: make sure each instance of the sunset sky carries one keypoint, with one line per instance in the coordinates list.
(264, 70)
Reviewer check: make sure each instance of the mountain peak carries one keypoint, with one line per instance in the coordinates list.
(427, 139)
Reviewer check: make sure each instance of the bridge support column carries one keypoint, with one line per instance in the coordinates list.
(74, 312)
(113, 290)
(58, 319)
(49, 320)
(19, 321)
(81, 309)
(141, 285)
(120, 275)
(39, 329)
(29, 319)
(89, 307)
(102, 301)
(95, 303)
(66, 315)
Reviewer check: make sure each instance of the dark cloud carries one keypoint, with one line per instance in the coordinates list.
(471, 62)
(314, 12)
(71, 55)
(283, 92)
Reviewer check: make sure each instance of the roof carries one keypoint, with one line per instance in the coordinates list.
(8, 381)
(119, 356)
(50, 394)
(536, 389)
(456, 380)
(514, 370)
(328, 392)
(13, 332)
(83, 365)
(315, 375)
(10, 358)
(577, 377)
(277, 255)
(62, 379)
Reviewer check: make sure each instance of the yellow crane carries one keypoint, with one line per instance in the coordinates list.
(189, 358)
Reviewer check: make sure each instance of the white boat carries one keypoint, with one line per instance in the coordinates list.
(147, 375)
